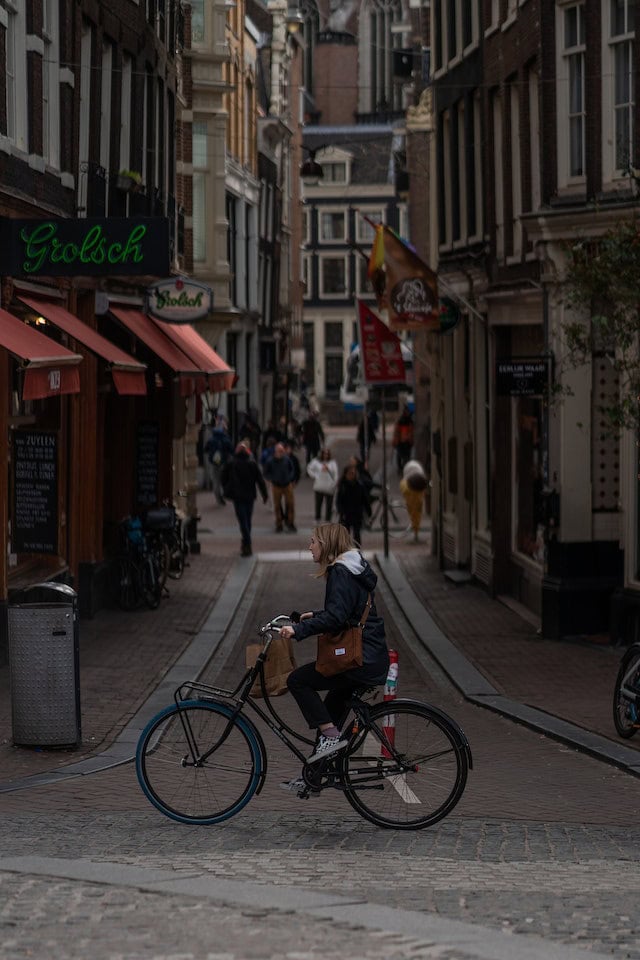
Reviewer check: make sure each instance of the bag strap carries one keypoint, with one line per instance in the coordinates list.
(365, 612)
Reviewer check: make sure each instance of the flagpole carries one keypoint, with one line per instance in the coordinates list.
(385, 502)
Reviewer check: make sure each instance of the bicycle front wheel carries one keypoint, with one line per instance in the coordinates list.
(407, 768)
(398, 519)
(178, 782)
(626, 714)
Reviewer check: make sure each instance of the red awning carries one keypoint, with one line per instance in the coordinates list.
(50, 369)
(220, 376)
(128, 373)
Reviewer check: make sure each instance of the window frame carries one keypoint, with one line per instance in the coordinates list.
(324, 258)
(567, 181)
(611, 172)
(321, 210)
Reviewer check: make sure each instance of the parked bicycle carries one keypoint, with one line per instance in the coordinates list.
(626, 694)
(202, 759)
(164, 527)
(136, 570)
(397, 516)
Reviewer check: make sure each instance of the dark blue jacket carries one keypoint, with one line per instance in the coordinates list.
(349, 581)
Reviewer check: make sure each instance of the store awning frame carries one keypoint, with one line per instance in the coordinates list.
(129, 374)
(194, 362)
(50, 370)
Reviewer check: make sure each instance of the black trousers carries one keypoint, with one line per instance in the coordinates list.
(305, 683)
(328, 500)
(244, 513)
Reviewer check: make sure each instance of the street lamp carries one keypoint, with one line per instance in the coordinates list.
(294, 19)
(310, 170)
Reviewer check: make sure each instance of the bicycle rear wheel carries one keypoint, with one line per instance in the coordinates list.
(126, 583)
(421, 788)
(172, 776)
(398, 518)
(626, 715)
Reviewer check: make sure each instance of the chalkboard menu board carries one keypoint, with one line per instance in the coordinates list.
(35, 492)
(147, 446)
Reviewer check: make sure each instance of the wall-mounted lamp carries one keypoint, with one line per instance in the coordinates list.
(294, 19)
(310, 170)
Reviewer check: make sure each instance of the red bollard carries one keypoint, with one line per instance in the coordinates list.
(390, 693)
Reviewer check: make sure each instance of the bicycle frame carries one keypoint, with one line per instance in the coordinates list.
(241, 697)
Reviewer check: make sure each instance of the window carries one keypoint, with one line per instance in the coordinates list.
(332, 225)
(571, 116)
(498, 182)
(363, 284)
(452, 30)
(16, 75)
(125, 112)
(306, 276)
(197, 21)
(528, 479)
(105, 104)
(516, 180)
(333, 276)
(306, 225)
(199, 156)
(50, 84)
(534, 140)
(377, 40)
(333, 334)
(333, 374)
(334, 172)
(467, 23)
(365, 232)
(621, 57)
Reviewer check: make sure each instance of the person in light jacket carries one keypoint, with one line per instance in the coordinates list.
(350, 581)
(323, 469)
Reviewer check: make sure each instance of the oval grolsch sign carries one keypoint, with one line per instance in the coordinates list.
(179, 300)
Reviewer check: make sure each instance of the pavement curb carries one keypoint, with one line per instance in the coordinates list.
(475, 687)
(472, 940)
(188, 666)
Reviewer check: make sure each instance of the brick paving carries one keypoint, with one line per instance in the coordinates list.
(125, 655)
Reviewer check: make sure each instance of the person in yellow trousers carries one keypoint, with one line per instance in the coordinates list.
(412, 487)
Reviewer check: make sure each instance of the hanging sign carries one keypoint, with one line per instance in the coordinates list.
(522, 377)
(381, 350)
(93, 246)
(179, 300)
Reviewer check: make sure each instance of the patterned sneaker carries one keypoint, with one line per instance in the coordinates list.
(326, 747)
(296, 786)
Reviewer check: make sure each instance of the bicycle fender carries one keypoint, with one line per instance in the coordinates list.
(456, 729)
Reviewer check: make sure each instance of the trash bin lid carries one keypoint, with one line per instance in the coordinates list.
(63, 589)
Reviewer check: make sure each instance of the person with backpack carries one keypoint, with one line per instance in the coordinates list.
(280, 472)
(352, 501)
(403, 438)
(218, 449)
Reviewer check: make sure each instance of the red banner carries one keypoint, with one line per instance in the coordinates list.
(379, 349)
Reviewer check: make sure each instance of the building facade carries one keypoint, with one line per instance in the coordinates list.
(534, 104)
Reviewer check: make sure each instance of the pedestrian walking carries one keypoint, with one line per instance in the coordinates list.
(279, 471)
(412, 488)
(323, 469)
(403, 438)
(250, 429)
(240, 477)
(350, 582)
(352, 501)
(218, 450)
(312, 436)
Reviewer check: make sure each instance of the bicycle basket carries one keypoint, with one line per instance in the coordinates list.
(162, 518)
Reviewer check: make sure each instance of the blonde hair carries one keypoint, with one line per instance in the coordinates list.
(334, 540)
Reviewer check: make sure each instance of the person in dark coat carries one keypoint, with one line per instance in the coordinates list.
(240, 477)
(350, 582)
(312, 436)
(352, 501)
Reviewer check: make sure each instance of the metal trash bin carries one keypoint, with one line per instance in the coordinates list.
(44, 666)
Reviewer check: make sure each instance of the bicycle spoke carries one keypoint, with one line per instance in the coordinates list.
(417, 761)
(179, 787)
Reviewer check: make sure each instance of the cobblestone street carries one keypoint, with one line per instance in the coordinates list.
(538, 860)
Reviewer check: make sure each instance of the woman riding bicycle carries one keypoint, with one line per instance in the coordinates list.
(350, 582)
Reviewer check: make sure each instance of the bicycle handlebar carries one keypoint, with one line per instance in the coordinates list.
(277, 622)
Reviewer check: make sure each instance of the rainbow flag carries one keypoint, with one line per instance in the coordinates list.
(403, 283)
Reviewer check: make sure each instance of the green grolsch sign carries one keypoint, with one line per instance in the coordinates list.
(112, 246)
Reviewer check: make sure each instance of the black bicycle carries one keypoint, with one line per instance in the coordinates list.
(135, 572)
(202, 759)
(626, 694)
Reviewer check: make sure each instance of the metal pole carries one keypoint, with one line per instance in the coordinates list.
(385, 503)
